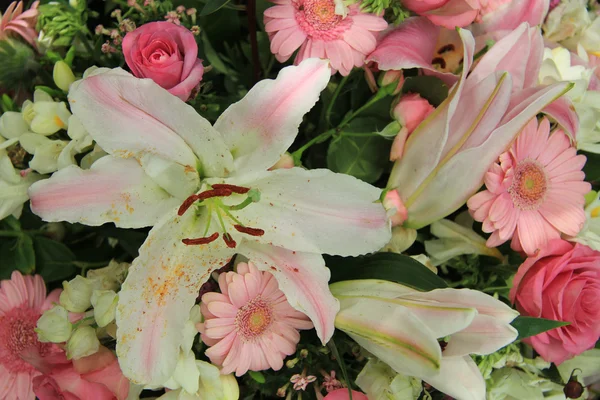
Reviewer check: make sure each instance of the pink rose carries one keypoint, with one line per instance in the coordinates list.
(96, 377)
(410, 111)
(562, 283)
(165, 53)
(446, 13)
(342, 394)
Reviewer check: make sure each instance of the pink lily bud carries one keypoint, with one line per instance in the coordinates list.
(410, 111)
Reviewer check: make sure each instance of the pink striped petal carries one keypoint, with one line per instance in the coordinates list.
(260, 128)
(112, 190)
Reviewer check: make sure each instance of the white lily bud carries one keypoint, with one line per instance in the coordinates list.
(54, 326)
(105, 306)
(77, 293)
(63, 76)
(83, 342)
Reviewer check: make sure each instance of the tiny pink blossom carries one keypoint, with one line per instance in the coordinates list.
(315, 28)
(330, 383)
(15, 21)
(535, 193)
(191, 11)
(301, 381)
(180, 9)
(249, 325)
(22, 301)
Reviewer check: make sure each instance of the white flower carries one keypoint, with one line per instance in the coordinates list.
(105, 306)
(63, 75)
(513, 384)
(109, 277)
(211, 386)
(208, 192)
(44, 115)
(82, 343)
(76, 294)
(557, 67)
(571, 24)
(54, 326)
(590, 234)
(380, 382)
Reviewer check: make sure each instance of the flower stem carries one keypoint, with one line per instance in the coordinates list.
(336, 93)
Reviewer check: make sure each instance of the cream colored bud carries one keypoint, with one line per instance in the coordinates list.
(83, 343)
(109, 277)
(231, 390)
(63, 76)
(105, 306)
(77, 293)
(54, 326)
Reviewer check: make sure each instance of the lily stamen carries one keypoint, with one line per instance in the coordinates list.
(249, 231)
(218, 192)
(233, 188)
(229, 240)
(202, 240)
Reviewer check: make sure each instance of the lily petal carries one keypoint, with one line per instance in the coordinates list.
(460, 378)
(370, 287)
(303, 278)
(127, 117)
(156, 298)
(259, 128)
(316, 211)
(112, 190)
(391, 333)
(483, 336)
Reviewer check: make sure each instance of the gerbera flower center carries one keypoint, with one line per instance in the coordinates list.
(254, 318)
(529, 185)
(17, 337)
(318, 19)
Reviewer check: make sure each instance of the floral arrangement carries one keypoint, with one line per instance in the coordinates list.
(300, 199)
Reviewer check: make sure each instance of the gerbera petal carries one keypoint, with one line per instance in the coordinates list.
(112, 190)
(156, 298)
(127, 117)
(260, 128)
(360, 39)
(316, 211)
(303, 278)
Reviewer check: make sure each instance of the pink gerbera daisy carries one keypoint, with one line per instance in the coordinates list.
(314, 27)
(535, 193)
(250, 325)
(22, 301)
(20, 23)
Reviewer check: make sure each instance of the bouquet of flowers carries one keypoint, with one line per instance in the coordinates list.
(300, 199)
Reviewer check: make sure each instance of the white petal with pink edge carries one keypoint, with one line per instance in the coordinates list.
(259, 128)
(113, 190)
(156, 298)
(303, 278)
(316, 211)
(460, 378)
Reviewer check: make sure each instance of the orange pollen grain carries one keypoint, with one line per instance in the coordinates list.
(529, 185)
(254, 319)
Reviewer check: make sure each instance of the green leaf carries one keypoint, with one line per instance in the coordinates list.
(257, 376)
(213, 57)
(212, 6)
(387, 266)
(359, 151)
(433, 89)
(54, 259)
(17, 254)
(591, 167)
(531, 326)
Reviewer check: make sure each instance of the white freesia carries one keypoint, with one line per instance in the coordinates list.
(77, 293)
(44, 115)
(572, 25)
(105, 306)
(211, 386)
(164, 159)
(54, 326)
(82, 343)
(401, 326)
(380, 382)
(590, 234)
(110, 277)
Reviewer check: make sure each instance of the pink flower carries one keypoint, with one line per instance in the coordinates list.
(535, 193)
(18, 22)
(301, 381)
(446, 13)
(249, 325)
(342, 394)
(330, 382)
(314, 26)
(95, 377)
(410, 111)
(22, 301)
(498, 15)
(165, 53)
(562, 283)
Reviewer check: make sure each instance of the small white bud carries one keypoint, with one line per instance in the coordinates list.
(54, 326)
(105, 306)
(63, 76)
(83, 343)
(77, 293)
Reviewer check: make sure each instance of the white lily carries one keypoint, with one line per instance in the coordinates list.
(164, 159)
(401, 326)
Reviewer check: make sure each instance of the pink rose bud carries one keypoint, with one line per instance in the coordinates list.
(410, 111)
(561, 282)
(342, 394)
(165, 53)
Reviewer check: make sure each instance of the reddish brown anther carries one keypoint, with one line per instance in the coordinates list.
(187, 203)
(229, 240)
(233, 188)
(214, 193)
(202, 240)
(249, 231)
